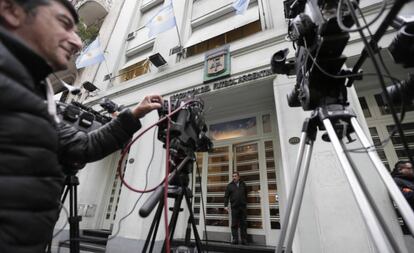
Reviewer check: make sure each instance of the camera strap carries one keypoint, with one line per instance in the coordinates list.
(51, 105)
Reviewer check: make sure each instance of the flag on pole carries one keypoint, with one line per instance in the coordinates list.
(162, 21)
(241, 6)
(91, 55)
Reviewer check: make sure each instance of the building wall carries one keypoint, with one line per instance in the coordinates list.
(329, 219)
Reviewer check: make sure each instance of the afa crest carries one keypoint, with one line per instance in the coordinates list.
(217, 64)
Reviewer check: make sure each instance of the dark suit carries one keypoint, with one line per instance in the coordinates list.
(237, 194)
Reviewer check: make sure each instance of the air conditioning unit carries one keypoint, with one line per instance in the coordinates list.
(130, 36)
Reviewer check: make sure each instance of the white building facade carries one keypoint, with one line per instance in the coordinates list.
(253, 129)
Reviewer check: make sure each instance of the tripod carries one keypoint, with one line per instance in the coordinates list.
(339, 121)
(71, 183)
(178, 190)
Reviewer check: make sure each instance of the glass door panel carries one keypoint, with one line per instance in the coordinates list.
(198, 169)
(246, 162)
(272, 187)
(217, 180)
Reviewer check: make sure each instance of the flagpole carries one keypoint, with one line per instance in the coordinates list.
(176, 25)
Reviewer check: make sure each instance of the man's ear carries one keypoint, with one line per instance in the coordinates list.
(12, 15)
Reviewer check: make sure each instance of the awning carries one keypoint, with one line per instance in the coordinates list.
(233, 22)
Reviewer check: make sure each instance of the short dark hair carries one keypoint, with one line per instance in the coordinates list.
(236, 172)
(396, 170)
(399, 163)
(30, 6)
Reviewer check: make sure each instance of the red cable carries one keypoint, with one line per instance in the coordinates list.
(128, 146)
(167, 172)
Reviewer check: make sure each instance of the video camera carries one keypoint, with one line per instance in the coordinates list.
(188, 127)
(110, 106)
(81, 117)
(402, 50)
(319, 43)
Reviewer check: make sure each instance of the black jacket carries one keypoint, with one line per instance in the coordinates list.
(33, 148)
(236, 194)
(406, 186)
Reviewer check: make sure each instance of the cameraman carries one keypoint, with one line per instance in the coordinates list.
(403, 175)
(38, 37)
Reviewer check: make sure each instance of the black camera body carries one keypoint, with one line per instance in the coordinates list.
(314, 30)
(81, 117)
(188, 128)
(402, 51)
(110, 106)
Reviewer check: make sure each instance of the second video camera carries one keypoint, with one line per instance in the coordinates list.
(188, 127)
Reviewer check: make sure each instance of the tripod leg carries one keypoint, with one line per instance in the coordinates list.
(393, 242)
(190, 209)
(395, 193)
(174, 217)
(154, 224)
(176, 212)
(285, 224)
(154, 235)
(74, 221)
(298, 199)
(65, 194)
(65, 191)
(370, 219)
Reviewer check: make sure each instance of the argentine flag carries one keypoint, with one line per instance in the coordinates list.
(91, 55)
(241, 6)
(162, 21)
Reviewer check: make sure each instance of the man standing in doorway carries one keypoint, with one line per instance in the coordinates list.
(236, 191)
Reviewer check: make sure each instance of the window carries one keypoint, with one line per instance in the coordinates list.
(225, 38)
(378, 146)
(384, 109)
(365, 108)
(408, 130)
(267, 124)
(215, 23)
(134, 70)
(234, 129)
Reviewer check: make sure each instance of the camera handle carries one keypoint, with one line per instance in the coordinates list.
(335, 118)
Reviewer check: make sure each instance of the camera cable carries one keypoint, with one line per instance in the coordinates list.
(128, 146)
(371, 53)
(339, 14)
(395, 82)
